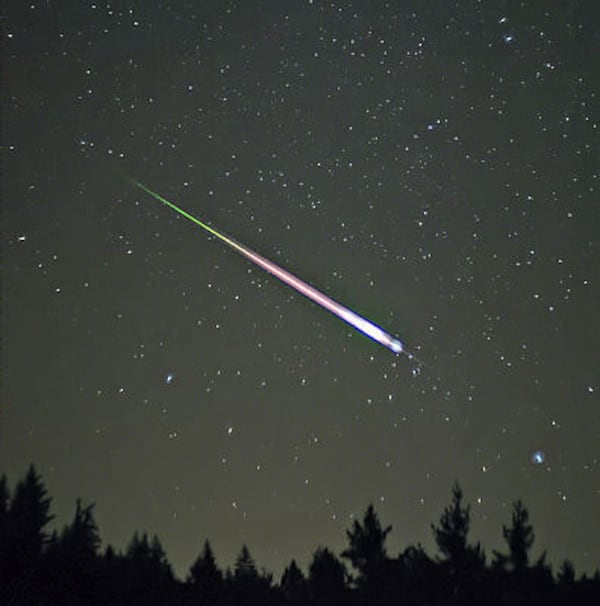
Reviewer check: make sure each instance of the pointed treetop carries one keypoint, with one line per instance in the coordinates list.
(451, 534)
(29, 512)
(519, 537)
(367, 543)
(244, 564)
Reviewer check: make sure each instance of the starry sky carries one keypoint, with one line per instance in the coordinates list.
(432, 166)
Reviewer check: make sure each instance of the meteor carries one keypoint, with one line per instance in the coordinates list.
(347, 315)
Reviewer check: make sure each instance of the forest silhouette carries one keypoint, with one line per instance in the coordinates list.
(69, 568)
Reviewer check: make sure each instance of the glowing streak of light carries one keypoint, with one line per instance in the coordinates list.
(361, 324)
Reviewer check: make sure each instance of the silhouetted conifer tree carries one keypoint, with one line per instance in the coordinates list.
(245, 568)
(149, 575)
(205, 578)
(451, 534)
(566, 574)
(82, 538)
(463, 563)
(25, 539)
(149, 555)
(368, 556)
(520, 539)
(326, 579)
(71, 563)
(29, 516)
(517, 579)
(367, 551)
(294, 586)
(248, 587)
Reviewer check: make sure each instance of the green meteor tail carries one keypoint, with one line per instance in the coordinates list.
(176, 208)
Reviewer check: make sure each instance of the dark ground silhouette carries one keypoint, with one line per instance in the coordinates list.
(68, 568)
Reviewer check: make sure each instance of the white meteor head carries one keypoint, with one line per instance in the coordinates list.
(396, 346)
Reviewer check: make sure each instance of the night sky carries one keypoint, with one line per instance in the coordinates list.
(431, 165)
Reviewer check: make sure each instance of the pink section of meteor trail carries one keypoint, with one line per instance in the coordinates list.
(352, 318)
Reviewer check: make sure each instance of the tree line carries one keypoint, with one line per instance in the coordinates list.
(69, 568)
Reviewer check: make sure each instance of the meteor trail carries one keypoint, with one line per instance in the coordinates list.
(362, 324)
